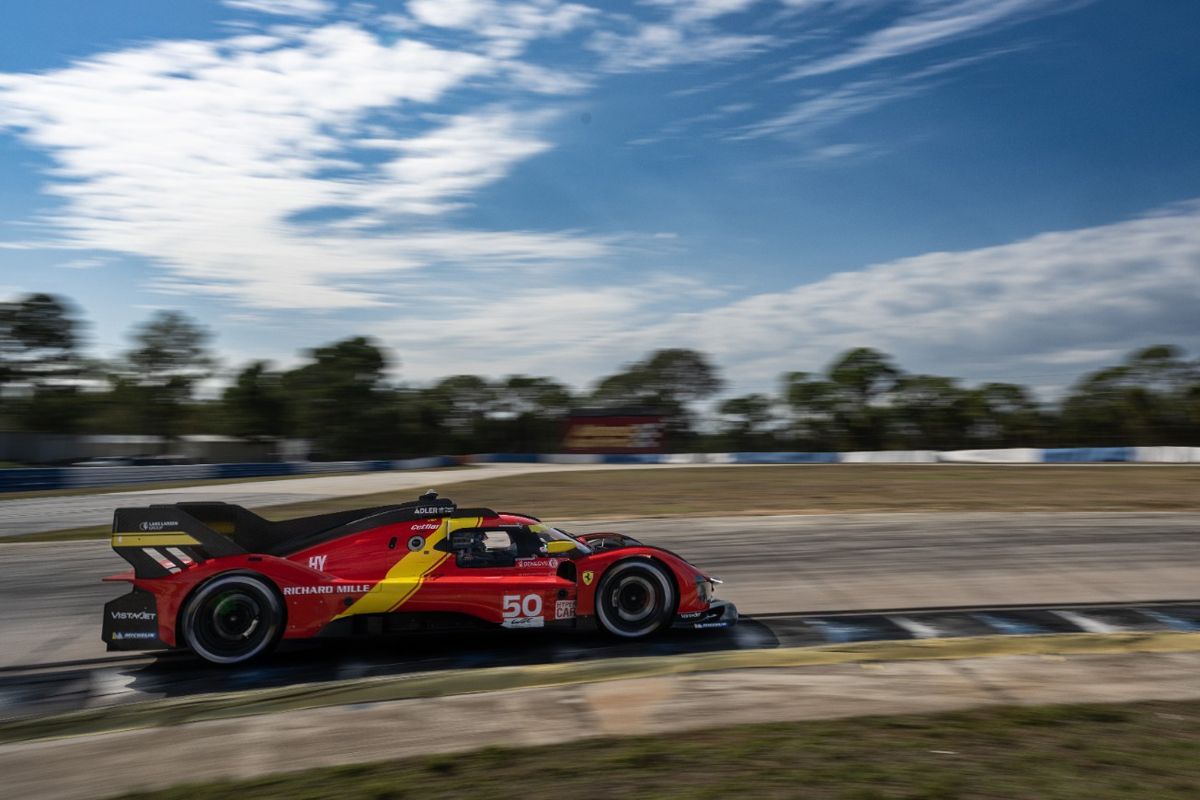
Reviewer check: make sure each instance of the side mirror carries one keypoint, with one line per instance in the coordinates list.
(559, 546)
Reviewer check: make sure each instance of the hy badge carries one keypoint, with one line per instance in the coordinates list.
(587, 577)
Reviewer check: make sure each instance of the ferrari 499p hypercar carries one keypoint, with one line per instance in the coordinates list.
(228, 584)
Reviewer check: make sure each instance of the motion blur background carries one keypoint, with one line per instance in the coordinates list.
(407, 228)
(342, 402)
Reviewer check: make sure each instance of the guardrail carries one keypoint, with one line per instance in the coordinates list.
(40, 479)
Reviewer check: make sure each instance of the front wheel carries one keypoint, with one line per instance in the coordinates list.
(635, 598)
(232, 619)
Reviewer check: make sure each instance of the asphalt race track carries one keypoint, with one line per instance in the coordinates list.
(52, 597)
(129, 678)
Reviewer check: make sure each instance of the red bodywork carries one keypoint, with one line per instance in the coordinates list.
(409, 567)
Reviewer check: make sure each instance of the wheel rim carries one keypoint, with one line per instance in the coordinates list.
(234, 617)
(634, 600)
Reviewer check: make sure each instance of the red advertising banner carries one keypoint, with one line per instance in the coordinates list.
(614, 433)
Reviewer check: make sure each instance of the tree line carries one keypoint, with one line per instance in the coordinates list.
(343, 400)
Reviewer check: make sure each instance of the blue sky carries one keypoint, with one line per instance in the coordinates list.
(996, 189)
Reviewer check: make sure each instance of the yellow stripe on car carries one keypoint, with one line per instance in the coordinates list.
(165, 539)
(408, 574)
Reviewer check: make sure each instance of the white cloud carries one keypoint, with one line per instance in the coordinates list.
(518, 329)
(936, 23)
(979, 313)
(568, 331)
(1051, 305)
(199, 156)
(433, 171)
(291, 8)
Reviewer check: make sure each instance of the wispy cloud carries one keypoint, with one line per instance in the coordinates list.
(653, 46)
(692, 11)
(681, 127)
(840, 153)
(85, 263)
(291, 8)
(828, 108)
(507, 25)
(687, 34)
(935, 23)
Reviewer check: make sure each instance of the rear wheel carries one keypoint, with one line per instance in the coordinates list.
(232, 619)
(635, 598)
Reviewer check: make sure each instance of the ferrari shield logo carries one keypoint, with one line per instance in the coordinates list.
(587, 577)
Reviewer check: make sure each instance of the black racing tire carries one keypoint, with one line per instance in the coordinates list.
(232, 619)
(636, 598)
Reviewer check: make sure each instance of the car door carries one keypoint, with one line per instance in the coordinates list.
(504, 578)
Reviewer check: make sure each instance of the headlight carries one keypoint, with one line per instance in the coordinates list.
(706, 588)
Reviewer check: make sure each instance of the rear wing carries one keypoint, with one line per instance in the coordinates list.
(162, 540)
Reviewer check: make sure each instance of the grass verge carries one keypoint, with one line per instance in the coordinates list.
(198, 708)
(1127, 751)
(813, 489)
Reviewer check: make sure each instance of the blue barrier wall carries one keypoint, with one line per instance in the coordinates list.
(266, 470)
(31, 480)
(1086, 455)
(631, 458)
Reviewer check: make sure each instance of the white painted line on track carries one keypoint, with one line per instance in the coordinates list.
(1086, 623)
(918, 629)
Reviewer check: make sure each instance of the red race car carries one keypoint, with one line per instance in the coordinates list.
(229, 584)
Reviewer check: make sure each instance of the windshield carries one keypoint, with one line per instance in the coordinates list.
(548, 533)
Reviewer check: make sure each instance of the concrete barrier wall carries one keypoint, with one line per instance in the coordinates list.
(429, 462)
(785, 458)
(569, 458)
(1012, 455)
(29, 480)
(890, 457)
(1166, 455)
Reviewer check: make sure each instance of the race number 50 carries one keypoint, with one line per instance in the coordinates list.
(516, 606)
